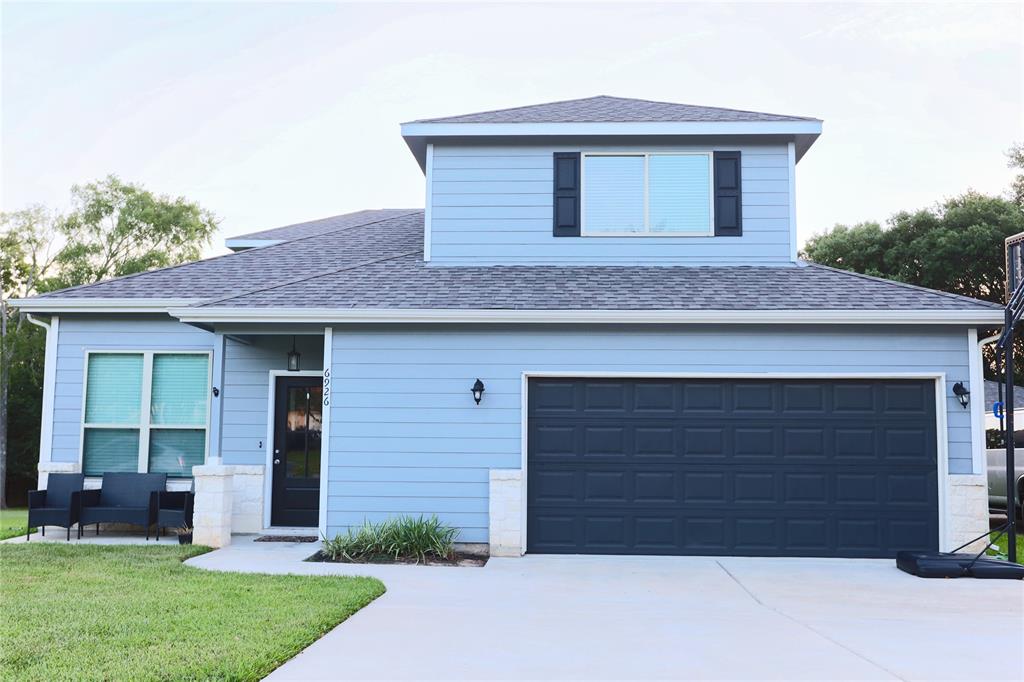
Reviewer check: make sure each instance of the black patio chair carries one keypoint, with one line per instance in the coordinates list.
(174, 509)
(124, 498)
(58, 505)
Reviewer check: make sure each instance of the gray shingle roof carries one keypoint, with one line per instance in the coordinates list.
(992, 394)
(380, 265)
(351, 242)
(604, 109)
(324, 225)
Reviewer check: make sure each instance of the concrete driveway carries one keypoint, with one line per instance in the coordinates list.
(569, 617)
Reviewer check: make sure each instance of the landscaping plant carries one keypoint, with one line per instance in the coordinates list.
(401, 537)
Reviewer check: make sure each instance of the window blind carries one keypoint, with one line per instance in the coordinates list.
(179, 389)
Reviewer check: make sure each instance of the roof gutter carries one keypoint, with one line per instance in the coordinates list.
(99, 305)
(476, 316)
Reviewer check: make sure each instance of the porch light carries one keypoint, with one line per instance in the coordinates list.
(478, 391)
(961, 393)
(293, 358)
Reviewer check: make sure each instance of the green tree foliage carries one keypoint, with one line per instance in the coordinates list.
(956, 246)
(1016, 160)
(114, 229)
(117, 229)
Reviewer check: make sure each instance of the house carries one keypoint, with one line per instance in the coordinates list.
(596, 337)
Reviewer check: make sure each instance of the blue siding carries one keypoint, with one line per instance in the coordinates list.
(78, 334)
(493, 205)
(407, 438)
(246, 388)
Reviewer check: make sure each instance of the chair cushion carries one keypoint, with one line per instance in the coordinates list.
(130, 490)
(50, 516)
(137, 515)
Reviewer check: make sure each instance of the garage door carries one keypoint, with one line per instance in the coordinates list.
(731, 467)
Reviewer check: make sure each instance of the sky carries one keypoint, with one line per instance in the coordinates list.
(271, 114)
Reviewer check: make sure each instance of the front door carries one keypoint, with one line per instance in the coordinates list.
(298, 418)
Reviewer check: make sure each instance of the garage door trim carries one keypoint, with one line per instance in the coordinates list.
(941, 436)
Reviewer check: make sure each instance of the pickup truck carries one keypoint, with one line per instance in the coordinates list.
(997, 480)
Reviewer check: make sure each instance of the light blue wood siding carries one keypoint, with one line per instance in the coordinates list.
(78, 334)
(406, 437)
(246, 390)
(492, 204)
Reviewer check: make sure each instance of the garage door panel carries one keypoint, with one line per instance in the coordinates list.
(855, 480)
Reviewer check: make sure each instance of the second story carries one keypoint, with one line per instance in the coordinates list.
(607, 180)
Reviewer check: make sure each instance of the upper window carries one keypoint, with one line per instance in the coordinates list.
(647, 194)
(145, 411)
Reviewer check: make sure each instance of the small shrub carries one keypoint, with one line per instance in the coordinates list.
(402, 537)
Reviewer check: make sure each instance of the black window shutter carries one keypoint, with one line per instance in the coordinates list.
(566, 195)
(728, 195)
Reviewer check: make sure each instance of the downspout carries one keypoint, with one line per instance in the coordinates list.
(49, 377)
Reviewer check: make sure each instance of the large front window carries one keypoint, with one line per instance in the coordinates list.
(145, 411)
(647, 194)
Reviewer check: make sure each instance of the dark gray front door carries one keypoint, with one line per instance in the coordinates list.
(298, 424)
(731, 467)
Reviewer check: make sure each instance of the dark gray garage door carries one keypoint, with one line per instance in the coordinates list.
(731, 467)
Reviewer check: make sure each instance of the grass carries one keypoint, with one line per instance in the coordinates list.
(1003, 546)
(12, 522)
(137, 613)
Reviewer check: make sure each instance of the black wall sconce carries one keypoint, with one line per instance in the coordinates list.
(478, 391)
(961, 393)
(293, 358)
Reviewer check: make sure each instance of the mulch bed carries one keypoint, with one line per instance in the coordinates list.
(460, 559)
(287, 538)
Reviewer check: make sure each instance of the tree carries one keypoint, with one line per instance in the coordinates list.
(118, 229)
(114, 229)
(1016, 156)
(956, 246)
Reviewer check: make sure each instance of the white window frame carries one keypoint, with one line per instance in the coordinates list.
(145, 424)
(647, 232)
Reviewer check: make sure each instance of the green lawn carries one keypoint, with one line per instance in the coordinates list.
(12, 522)
(137, 613)
(1003, 545)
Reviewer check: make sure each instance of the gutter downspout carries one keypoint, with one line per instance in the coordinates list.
(49, 386)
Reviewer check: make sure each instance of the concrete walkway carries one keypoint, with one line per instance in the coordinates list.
(548, 617)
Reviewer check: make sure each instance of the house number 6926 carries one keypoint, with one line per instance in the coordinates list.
(327, 386)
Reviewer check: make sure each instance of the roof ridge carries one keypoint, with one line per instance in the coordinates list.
(262, 249)
(304, 278)
(906, 285)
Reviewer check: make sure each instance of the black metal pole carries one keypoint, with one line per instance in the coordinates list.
(1011, 536)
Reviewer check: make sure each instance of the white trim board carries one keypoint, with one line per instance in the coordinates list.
(976, 385)
(428, 205)
(791, 165)
(942, 433)
(325, 431)
(449, 315)
(268, 460)
(807, 127)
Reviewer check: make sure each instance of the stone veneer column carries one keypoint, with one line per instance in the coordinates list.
(47, 468)
(247, 499)
(211, 518)
(967, 510)
(505, 512)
